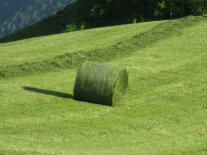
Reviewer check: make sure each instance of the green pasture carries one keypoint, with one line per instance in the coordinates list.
(41, 48)
(164, 110)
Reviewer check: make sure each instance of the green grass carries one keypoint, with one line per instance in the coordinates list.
(164, 111)
(41, 48)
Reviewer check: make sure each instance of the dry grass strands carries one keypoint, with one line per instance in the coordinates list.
(100, 83)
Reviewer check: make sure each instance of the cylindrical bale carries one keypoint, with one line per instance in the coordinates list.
(100, 83)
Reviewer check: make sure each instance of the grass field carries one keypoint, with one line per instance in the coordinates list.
(164, 111)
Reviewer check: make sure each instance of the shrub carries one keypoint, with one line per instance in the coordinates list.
(82, 27)
(70, 28)
(100, 83)
(134, 21)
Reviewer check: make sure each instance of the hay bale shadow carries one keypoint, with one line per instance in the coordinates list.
(48, 92)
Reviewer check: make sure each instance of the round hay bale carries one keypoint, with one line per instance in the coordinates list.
(100, 83)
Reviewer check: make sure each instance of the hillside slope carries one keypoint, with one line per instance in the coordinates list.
(85, 14)
(164, 111)
(18, 14)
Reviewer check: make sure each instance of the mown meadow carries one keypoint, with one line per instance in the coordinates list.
(164, 110)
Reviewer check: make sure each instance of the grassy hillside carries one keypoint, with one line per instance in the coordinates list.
(164, 111)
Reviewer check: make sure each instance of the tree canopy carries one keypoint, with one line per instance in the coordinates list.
(96, 12)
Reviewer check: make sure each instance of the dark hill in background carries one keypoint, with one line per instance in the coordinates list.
(95, 13)
(17, 14)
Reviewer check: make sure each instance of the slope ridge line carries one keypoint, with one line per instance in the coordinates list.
(139, 41)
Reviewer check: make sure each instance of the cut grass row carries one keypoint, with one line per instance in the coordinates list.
(48, 47)
(121, 49)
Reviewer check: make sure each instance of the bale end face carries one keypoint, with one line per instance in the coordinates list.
(120, 87)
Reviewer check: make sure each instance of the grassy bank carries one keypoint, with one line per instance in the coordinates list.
(164, 111)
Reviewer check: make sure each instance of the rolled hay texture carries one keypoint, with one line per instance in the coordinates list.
(100, 83)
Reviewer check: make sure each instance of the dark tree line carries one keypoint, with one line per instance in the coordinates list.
(108, 12)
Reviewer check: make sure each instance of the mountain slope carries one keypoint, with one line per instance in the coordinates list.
(164, 111)
(18, 14)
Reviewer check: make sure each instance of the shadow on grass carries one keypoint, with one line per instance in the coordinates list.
(48, 92)
(57, 94)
